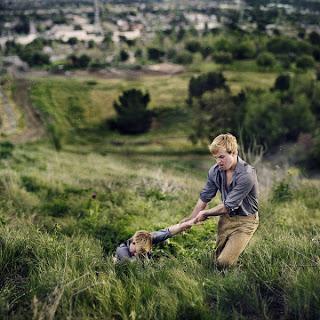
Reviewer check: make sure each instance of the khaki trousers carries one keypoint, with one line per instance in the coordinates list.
(234, 234)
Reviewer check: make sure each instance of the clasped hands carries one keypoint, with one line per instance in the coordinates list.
(201, 216)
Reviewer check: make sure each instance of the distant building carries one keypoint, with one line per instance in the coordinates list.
(66, 32)
(16, 62)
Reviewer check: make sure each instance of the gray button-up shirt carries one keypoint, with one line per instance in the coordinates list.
(241, 197)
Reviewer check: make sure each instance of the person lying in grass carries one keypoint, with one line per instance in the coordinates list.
(140, 244)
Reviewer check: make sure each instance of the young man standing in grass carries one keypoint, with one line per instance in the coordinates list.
(237, 182)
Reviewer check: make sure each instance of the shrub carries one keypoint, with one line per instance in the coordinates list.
(183, 57)
(171, 54)
(305, 62)
(223, 57)
(316, 54)
(80, 62)
(33, 58)
(244, 50)
(132, 114)
(31, 184)
(213, 113)
(72, 41)
(282, 82)
(91, 44)
(6, 149)
(263, 119)
(298, 117)
(265, 60)
(206, 82)
(314, 38)
(282, 191)
(193, 46)
(123, 55)
(138, 53)
(56, 207)
(282, 45)
(223, 45)
(155, 54)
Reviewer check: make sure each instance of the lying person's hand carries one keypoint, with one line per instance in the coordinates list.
(187, 224)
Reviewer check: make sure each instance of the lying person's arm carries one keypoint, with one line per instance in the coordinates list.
(164, 234)
(180, 227)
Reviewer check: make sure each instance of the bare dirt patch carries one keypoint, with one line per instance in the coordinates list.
(33, 129)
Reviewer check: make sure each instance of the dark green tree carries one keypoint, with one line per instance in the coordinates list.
(23, 26)
(263, 120)
(132, 114)
(314, 38)
(123, 55)
(305, 62)
(193, 46)
(244, 50)
(34, 58)
(6, 149)
(282, 82)
(155, 54)
(265, 60)
(298, 117)
(213, 113)
(83, 61)
(72, 41)
(223, 57)
(316, 54)
(183, 57)
(206, 82)
(91, 44)
(282, 45)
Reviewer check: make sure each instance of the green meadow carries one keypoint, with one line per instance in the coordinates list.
(63, 213)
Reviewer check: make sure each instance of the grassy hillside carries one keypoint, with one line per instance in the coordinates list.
(84, 106)
(57, 242)
(62, 214)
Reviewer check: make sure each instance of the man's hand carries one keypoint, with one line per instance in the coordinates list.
(201, 217)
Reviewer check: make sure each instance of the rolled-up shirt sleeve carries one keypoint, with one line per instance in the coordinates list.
(242, 188)
(209, 190)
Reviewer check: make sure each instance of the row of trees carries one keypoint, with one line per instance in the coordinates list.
(223, 48)
(289, 112)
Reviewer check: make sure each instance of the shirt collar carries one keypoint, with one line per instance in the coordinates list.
(240, 165)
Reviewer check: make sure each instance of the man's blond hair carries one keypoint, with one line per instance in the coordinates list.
(143, 241)
(225, 141)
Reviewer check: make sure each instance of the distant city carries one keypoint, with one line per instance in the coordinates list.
(108, 26)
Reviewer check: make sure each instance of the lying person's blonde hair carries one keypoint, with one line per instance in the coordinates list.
(143, 241)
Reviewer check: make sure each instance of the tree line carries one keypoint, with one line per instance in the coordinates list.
(288, 112)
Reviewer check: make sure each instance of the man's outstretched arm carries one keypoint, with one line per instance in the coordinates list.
(218, 210)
